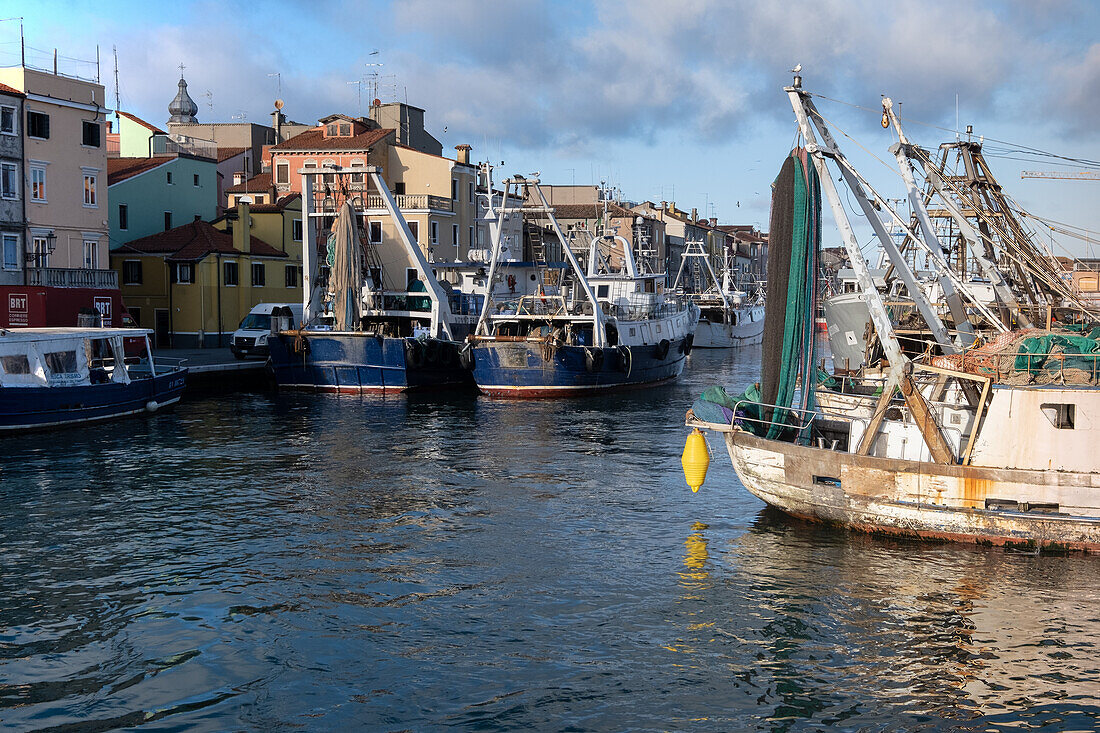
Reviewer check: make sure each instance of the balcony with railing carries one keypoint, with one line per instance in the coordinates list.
(63, 277)
(414, 201)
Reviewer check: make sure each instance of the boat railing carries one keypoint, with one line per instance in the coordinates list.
(803, 417)
(645, 312)
(542, 305)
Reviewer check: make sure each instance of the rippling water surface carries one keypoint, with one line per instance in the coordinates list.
(303, 561)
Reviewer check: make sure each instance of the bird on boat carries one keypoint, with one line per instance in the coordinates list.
(797, 69)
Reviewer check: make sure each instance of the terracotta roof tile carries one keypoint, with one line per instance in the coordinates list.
(260, 183)
(192, 242)
(143, 123)
(315, 139)
(276, 207)
(120, 169)
(11, 90)
(225, 154)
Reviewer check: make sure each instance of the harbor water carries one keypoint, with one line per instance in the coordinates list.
(298, 561)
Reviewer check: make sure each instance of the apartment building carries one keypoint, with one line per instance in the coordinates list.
(65, 163)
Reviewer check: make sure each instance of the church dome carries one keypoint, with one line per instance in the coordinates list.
(183, 108)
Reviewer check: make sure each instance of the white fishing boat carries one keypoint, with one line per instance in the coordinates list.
(729, 316)
(994, 449)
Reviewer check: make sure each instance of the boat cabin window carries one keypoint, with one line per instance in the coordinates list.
(1061, 415)
(15, 364)
(601, 291)
(61, 362)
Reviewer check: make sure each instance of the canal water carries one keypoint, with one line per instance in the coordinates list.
(314, 562)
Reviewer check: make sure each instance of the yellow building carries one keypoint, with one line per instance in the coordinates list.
(193, 284)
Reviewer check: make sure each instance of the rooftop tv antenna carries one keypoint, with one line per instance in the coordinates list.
(118, 104)
(373, 75)
(359, 93)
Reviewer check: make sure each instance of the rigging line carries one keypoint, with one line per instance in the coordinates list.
(1074, 164)
(1012, 250)
(1037, 151)
(1047, 220)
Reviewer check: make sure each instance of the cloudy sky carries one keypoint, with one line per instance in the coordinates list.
(666, 100)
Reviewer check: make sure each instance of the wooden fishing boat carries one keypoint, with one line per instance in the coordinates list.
(991, 446)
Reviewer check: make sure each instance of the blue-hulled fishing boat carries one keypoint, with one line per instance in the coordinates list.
(363, 329)
(63, 376)
(583, 331)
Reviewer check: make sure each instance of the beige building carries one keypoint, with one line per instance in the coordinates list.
(65, 169)
(436, 195)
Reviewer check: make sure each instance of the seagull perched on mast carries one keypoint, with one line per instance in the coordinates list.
(797, 69)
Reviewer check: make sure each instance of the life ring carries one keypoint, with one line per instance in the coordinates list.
(593, 359)
(687, 343)
(414, 353)
(512, 283)
(661, 350)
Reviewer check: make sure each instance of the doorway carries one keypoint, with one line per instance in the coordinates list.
(162, 329)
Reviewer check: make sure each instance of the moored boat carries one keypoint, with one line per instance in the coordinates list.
(586, 330)
(65, 376)
(368, 328)
(991, 445)
(729, 316)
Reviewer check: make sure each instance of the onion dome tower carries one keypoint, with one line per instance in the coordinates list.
(182, 108)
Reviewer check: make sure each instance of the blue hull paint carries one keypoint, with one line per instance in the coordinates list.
(354, 362)
(517, 369)
(23, 408)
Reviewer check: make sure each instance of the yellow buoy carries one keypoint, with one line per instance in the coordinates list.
(696, 459)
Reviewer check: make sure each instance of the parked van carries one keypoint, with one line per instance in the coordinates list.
(250, 338)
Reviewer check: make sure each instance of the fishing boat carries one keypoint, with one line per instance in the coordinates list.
(990, 446)
(729, 316)
(366, 327)
(65, 376)
(585, 330)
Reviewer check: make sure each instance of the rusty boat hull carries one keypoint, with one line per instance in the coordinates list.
(1033, 509)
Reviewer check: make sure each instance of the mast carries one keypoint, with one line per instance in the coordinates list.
(899, 365)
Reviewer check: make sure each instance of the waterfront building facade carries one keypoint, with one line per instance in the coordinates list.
(65, 164)
(194, 283)
(12, 196)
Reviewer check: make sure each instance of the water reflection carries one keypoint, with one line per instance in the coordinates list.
(276, 561)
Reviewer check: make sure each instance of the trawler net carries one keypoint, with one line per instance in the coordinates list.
(795, 233)
(1033, 356)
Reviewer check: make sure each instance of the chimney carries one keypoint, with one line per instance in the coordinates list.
(694, 216)
(238, 178)
(714, 221)
(463, 153)
(244, 226)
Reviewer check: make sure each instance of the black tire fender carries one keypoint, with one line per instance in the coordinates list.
(414, 353)
(593, 359)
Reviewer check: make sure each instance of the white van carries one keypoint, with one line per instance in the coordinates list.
(250, 338)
